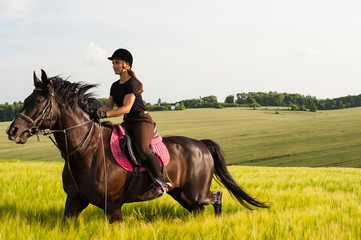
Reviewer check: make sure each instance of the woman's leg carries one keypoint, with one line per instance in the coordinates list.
(142, 135)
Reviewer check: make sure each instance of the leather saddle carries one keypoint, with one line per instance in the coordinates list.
(128, 146)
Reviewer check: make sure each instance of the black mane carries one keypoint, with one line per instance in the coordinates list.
(74, 94)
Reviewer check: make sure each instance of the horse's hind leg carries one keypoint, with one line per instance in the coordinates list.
(217, 202)
(197, 206)
(210, 198)
(180, 197)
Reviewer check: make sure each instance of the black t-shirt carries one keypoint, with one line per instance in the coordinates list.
(119, 90)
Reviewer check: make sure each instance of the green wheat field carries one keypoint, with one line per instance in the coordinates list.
(306, 165)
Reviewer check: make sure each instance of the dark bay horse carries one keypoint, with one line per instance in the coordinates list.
(91, 174)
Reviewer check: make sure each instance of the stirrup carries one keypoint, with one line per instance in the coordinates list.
(161, 187)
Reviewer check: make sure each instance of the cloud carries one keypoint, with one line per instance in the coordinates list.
(12, 10)
(94, 54)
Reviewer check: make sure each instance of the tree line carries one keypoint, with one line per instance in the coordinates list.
(296, 102)
(9, 111)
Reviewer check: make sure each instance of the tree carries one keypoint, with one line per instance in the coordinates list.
(191, 103)
(8, 111)
(180, 106)
(294, 107)
(313, 108)
(101, 102)
(229, 99)
(2, 113)
(210, 99)
(241, 98)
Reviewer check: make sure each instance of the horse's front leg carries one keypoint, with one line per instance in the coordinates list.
(73, 207)
(116, 215)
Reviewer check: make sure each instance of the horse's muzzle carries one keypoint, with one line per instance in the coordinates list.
(15, 135)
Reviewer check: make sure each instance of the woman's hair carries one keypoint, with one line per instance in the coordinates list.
(132, 74)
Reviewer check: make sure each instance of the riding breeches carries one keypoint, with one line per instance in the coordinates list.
(141, 129)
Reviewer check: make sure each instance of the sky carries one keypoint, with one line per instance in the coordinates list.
(185, 49)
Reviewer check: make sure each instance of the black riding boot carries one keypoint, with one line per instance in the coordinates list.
(153, 167)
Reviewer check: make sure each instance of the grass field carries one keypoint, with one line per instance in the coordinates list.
(248, 137)
(306, 203)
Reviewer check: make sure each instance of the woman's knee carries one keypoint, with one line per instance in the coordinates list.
(144, 151)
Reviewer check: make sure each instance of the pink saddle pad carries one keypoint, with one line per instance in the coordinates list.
(157, 144)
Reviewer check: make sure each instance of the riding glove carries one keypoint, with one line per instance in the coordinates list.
(96, 114)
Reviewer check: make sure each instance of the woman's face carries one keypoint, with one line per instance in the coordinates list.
(118, 66)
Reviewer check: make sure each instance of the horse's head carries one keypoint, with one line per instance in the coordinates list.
(37, 112)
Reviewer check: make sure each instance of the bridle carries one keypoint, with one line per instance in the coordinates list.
(34, 130)
(48, 110)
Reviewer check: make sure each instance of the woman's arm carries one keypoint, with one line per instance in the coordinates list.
(109, 106)
(127, 105)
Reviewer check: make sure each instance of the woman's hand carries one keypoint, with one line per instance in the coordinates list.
(97, 114)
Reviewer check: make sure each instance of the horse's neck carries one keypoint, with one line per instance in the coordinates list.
(70, 118)
(74, 129)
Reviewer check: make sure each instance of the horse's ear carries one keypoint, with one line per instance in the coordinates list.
(44, 78)
(37, 81)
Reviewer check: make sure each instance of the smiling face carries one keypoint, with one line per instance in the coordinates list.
(120, 66)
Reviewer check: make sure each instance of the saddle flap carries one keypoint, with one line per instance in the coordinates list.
(122, 144)
(129, 149)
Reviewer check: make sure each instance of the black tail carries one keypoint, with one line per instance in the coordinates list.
(222, 174)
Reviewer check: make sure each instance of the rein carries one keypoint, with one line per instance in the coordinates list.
(66, 154)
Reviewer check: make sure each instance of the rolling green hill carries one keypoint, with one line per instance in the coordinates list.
(306, 203)
(263, 137)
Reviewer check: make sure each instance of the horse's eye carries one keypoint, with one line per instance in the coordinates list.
(40, 100)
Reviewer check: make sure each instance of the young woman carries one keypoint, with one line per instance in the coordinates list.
(126, 93)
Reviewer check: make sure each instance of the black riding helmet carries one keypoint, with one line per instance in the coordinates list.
(122, 54)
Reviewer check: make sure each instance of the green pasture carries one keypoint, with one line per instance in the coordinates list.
(263, 137)
(305, 164)
(306, 203)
